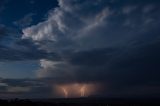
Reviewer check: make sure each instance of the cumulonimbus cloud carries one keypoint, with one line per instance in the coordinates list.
(93, 38)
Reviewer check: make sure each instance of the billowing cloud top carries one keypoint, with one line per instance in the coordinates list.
(112, 42)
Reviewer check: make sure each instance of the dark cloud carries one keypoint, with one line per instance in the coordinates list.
(13, 48)
(110, 42)
(27, 88)
(94, 57)
(115, 43)
(3, 30)
(9, 54)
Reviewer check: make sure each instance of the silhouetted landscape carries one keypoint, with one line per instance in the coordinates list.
(80, 102)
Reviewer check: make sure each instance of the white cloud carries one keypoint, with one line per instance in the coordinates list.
(64, 25)
(60, 71)
(77, 26)
(64, 31)
(42, 31)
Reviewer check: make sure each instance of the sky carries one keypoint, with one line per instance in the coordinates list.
(79, 48)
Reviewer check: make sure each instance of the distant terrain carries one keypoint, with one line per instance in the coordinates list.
(80, 102)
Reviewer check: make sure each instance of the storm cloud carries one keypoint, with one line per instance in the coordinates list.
(112, 43)
(13, 48)
(115, 43)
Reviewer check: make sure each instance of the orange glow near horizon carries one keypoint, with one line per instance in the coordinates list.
(65, 92)
(82, 90)
(77, 89)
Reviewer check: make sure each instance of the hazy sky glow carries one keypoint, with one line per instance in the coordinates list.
(79, 48)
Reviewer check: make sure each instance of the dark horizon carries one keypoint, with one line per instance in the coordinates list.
(80, 102)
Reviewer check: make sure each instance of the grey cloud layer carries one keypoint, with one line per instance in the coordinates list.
(109, 42)
(13, 48)
(25, 88)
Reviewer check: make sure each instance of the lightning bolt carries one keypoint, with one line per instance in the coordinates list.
(82, 90)
(65, 92)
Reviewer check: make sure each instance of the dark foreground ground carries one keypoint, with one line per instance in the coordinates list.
(81, 102)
